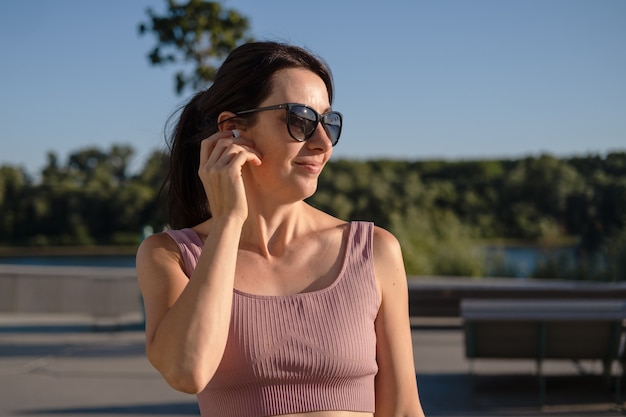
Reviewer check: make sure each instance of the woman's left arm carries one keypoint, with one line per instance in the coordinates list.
(396, 385)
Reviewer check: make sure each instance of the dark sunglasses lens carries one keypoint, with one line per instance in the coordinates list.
(332, 126)
(302, 122)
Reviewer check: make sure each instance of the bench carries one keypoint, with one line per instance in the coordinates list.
(540, 329)
(442, 296)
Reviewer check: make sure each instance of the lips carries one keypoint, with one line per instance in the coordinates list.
(311, 166)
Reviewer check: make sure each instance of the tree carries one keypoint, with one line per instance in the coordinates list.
(14, 187)
(198, 32)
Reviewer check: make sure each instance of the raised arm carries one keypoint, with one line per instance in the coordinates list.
(187, 319)
(396, 386)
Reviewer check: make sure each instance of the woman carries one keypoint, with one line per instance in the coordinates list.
(255, 301)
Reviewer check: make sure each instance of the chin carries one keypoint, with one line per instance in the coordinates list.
(307, 190)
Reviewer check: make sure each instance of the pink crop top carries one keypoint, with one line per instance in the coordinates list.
(299, 353)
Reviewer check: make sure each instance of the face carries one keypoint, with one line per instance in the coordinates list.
(289, 167)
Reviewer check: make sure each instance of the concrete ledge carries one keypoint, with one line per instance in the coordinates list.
(109, 293)
(102, 293)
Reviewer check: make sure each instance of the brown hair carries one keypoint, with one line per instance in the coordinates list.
(243, 81)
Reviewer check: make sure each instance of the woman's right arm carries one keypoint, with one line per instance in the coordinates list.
(187, 319)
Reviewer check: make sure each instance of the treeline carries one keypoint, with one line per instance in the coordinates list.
(89, 200)
(443, 212)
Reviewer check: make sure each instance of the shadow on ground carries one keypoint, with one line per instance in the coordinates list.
(169, 409)
(78, 350)
(517, 395)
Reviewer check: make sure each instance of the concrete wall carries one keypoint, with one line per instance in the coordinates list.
(106, 293)
(112, 293)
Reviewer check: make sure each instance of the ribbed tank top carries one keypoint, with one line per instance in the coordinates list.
(298, 353)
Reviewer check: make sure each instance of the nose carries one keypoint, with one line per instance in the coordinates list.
(320, 139)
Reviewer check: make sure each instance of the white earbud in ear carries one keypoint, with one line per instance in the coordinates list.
(236, 133)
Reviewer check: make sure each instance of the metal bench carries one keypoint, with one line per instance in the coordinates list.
(543, 329)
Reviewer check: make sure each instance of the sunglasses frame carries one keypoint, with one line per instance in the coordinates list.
(319, 119)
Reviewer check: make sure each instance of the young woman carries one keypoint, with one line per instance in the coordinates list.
(255, 301)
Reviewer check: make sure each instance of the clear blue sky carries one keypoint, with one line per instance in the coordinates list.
(454, 79)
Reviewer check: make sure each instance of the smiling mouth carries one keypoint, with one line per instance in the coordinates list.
(310, 166)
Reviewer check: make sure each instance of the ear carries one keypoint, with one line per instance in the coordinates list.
(226, 121)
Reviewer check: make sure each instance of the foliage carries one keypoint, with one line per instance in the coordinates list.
(440, 211)
(434, 240)
(91, 199)
(198, 32)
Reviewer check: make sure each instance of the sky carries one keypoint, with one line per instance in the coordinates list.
(415, 79)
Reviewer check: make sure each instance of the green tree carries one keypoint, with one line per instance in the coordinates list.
(14, 191)
(537, 192)
(200, 33)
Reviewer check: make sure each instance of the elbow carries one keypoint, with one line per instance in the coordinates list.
(184, 378)
(186, 382)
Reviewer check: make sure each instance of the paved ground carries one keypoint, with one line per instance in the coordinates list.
(51, 367)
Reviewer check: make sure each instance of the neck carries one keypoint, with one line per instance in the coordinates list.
(269, 231)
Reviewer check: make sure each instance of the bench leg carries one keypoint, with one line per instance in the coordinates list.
(541, 351)
(606, 371)
(618, 386)
(542, 383)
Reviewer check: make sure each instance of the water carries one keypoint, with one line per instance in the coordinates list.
(521, 261)
(516, 261)
(118, 261)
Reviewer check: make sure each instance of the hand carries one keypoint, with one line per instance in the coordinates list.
(222, 157)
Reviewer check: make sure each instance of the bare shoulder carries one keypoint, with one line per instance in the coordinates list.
(157, 253)
(387, 250)
(388, 263)
(155, 247)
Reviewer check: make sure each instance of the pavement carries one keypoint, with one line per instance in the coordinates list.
(66, 365)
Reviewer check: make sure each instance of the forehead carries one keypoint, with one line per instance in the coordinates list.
(299, 85)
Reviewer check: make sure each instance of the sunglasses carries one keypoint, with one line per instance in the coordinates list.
(303, 120)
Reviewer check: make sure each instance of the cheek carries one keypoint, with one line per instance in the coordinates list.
(271, 166)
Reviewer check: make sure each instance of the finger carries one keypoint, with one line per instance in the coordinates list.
(207, 145)
(241, 158)
(255, 157)
(214, 147)
(221, 149)
(225, 153)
